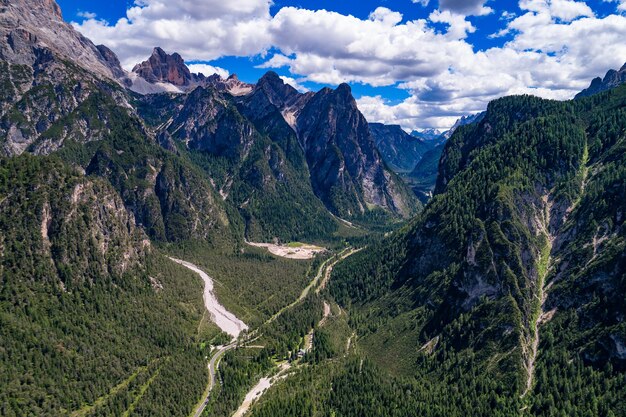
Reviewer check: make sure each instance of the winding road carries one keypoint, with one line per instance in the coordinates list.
(318, 282)
(213, 365)
(230, 324)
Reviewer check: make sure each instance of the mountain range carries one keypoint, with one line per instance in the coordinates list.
(612, 79)
(479, 271)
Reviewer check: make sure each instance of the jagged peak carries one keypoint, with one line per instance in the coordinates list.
(612, 79)
(344, 88)
(159, 53)
(271, 78)
(270, 75)
(278, 92)
(163, 67)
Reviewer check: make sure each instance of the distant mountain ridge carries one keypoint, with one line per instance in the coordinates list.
(400, 150)
(163, 72)
(612, 79)
(323, 136)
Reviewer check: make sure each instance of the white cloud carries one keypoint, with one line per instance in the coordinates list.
(565, 10)
(458, 26)
(86, 15)
(208, 70)
(506, 15)
(295, 84)
(556, 48)
(386, 16)
(198, 30)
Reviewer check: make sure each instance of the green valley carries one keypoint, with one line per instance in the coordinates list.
(175, 243)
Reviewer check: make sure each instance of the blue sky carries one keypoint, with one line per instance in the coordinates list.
(418, 63)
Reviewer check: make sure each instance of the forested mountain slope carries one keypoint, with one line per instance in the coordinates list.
(274, 145)
(86, 304)
(262, 173)
(515, 271)
(400, 150)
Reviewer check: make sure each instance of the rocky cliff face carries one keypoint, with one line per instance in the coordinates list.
(54, 101)
(70, 226)
(33, 28)
(52, 79)
(346, 170)
(399, 150)
(612, 79)
(164, 68)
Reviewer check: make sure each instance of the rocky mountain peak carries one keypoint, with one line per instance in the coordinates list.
(32, 29)
(164, 68)
(343, 96)
(44, 6)
(612, 79)
(277, 91)
(271, 78)
(344, 89)
(114, 63)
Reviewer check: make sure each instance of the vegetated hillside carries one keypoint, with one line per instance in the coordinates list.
(510, 285)
(400, 150)
(94, 319)
(423, 178)
(85, 304)
(170, 198)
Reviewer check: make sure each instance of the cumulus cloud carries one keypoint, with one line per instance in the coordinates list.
(555, 48)
(198, 30)
(565, 10)
(386, 16)
(458, 26)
